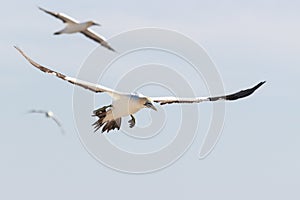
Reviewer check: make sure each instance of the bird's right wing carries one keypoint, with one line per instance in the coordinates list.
(84, 84)
(56, 121)
(61, 16)
(229, 97)
(58, 124)
(97, 38)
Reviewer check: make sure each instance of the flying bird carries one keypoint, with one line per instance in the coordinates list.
(73, 26)
(126, 104)
(49, 114)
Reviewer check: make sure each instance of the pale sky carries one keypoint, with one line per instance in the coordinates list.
(257, 156)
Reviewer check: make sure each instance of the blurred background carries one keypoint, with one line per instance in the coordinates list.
(257, 156)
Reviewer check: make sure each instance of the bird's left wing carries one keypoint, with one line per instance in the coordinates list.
(230, 97)
(37, 111)
(61, 16)
(97, 38)
(84, 84)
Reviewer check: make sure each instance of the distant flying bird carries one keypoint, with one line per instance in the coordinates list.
(73, 26)
(49, 114)
(126, 104)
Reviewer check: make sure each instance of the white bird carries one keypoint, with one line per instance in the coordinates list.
(125, 104)
(49, 114)
(73, 26)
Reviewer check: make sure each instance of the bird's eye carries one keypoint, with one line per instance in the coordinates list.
(147, 104)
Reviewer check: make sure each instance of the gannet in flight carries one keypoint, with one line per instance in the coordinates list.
(73, 26)
(126, 104)
(49, 114)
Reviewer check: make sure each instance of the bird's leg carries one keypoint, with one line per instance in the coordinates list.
(132, 121)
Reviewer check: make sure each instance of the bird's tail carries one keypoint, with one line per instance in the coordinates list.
(107, 125)
(57, 33)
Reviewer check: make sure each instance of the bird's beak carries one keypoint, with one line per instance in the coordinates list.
(152, 107)
(96, 24)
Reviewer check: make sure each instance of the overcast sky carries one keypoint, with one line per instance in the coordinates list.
(257, 156)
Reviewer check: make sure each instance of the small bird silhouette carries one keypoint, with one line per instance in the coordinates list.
(49, 114)
(73, 26)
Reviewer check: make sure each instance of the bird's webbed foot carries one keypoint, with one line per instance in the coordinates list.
(131, 122)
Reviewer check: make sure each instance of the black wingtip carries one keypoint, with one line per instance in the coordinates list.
(262, 82)
(40, 8)
(18, 49)
(258, 85)
(113, 50)
(244, 93)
